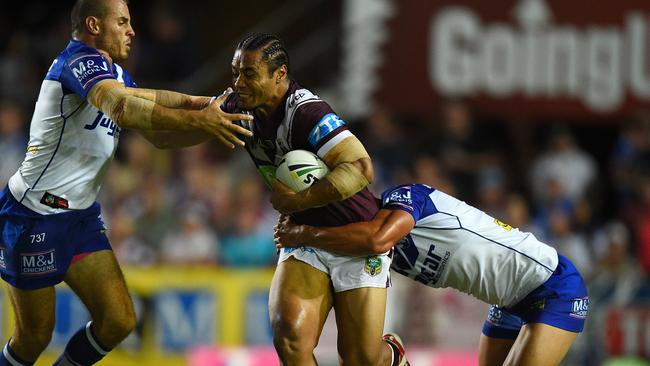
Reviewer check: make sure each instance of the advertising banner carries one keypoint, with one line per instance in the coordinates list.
(538, 58)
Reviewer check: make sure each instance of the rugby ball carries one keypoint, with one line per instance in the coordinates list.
(299, 169)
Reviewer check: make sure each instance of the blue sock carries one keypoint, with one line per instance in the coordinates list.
(9, 358)
(83, 349)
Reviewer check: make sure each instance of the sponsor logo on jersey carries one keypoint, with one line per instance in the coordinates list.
(53, 201)
(38, 263)
(296, 98)
(580, 307)
(503, 224)
(373, 265)
(106, 122)
(401, 197)
(2, 258)
(432, 266)
(32, 149)
(87, 67)
(324, 127)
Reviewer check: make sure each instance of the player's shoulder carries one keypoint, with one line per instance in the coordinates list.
(79, 59)
(74, 51)
(305, 104)
(298, 96)
(77, 51)
(123, 76)
(413, 198)
(406, 192)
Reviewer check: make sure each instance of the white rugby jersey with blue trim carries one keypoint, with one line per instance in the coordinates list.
(71, 142)
(456, 245)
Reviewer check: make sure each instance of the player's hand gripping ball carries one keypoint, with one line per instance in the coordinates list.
(299, 169)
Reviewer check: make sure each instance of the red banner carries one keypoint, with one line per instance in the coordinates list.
(531, 58)
(627, 332)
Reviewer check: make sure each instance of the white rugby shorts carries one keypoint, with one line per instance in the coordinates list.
(346, 272)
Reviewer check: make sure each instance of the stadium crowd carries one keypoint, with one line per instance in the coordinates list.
(582, 187)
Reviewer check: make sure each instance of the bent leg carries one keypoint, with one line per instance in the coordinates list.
(98, 281)
(540, 344)
(34, 314)
(300, 299)
(360, 320)
(493, 351)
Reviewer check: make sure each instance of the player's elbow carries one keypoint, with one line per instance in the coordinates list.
(379, 245)
(118, 111)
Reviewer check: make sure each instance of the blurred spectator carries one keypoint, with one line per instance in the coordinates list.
(517, 214)
(193, 243)
(170, 50)
(13, 139)
(385, 143)
(615, 283)
(631, 149)
(155, 216)
(250, 243)
(638, 215)
(457, 146)
(428, 170)
(569, 243)
(129, 250)
(618, 275)
(18, 76)
(462, 146)
(491, 189)
(562, 164)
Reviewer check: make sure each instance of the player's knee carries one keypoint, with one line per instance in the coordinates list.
(292, 348)
(123, 325)
(289, 340)
(35, 338)
(115, 326)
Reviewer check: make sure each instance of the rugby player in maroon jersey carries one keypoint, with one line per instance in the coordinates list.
(308, 282)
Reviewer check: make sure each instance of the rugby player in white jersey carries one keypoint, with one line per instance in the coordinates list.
(539, 299)
(308, 282)
(50, 223)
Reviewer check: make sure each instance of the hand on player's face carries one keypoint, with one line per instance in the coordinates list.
(283, 198)
(220, 124)
(285, 233)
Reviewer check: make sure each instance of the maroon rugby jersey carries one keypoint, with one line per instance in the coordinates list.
(302, 121)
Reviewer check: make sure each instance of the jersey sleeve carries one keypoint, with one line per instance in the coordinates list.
(229, 105)
(82, 70)
(128, 80)
(317, 128)
(412, 198)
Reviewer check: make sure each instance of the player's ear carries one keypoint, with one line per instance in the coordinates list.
(281, 74)
(92, 25)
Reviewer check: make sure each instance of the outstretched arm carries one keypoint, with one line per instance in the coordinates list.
(169, 139)
(171, 99)
(360, 238)
(128, 110)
